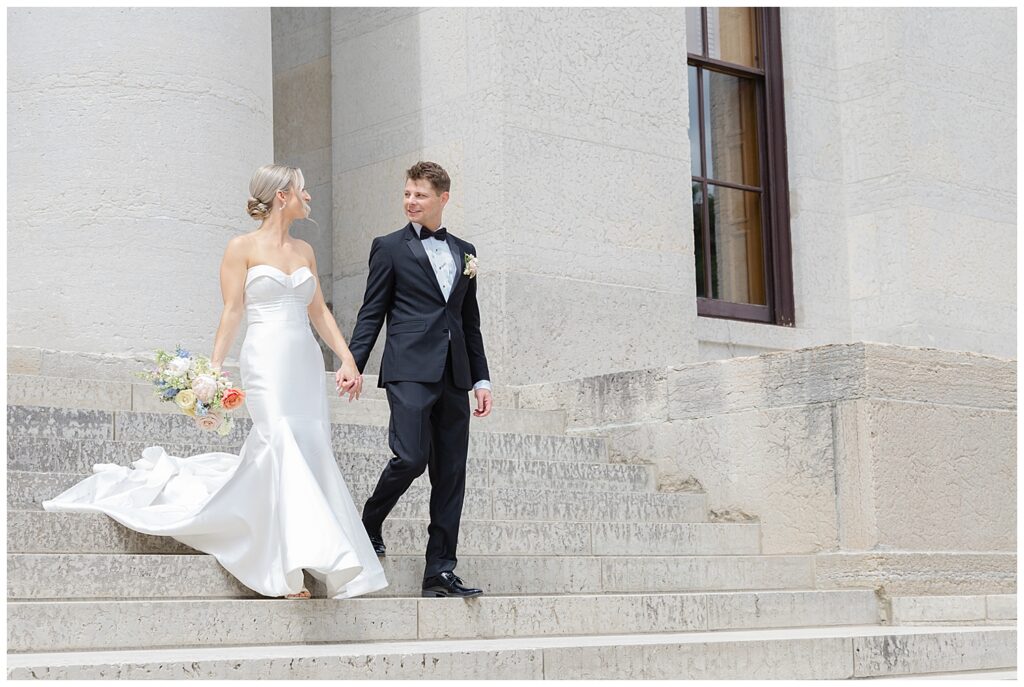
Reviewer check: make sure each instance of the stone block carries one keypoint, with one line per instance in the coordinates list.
(652, 573)
(561, 615)
(56, 625)
(756, 609)
(613, 399)
(918, 572)
(661, 539)
(1001, 607)
(933, 652)
(535, 474)
(937, 609)
(59, 423)
(578, 505)
(964, 489)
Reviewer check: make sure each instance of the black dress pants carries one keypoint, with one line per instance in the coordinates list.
(429, 429)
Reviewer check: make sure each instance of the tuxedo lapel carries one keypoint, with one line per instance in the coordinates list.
(420, 253)
(457, 254)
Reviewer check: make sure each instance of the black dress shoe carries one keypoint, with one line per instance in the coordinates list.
(378, 546)
(378, 542)
(448, 584)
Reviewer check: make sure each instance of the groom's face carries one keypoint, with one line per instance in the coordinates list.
(423, 204)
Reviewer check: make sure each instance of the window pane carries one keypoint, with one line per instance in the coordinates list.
(694, 124)
(698, 238)
(733, 35)
(737, 251)
(694, 31)
(730, 129)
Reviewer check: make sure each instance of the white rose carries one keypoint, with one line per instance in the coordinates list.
(205, 388)
(178, 367)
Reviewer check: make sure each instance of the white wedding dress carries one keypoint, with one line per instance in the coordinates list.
(282, 505)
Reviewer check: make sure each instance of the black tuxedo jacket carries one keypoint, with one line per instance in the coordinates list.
(402, 288)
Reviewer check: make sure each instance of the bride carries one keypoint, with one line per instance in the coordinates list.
(281, 505)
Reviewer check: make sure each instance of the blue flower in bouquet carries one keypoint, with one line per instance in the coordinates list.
(170, 393)
(200, 408)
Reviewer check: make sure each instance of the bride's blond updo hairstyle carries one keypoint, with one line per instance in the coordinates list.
(264, 185)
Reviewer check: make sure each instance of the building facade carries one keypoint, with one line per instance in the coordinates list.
(872, 141)
(759, 262)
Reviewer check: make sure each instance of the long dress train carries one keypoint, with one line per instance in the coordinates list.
(281, 505)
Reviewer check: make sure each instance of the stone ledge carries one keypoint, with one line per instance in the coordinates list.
(121, 624)
(792, 653)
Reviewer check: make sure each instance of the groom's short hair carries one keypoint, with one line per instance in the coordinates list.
(432, 172)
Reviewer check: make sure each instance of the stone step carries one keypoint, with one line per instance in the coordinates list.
(26, 423)
(976, 609)
(43, 532)
(120, 624)
(365, 468)
(27, 491)
(823, 653)
(29, 454)
(371, 409)
(791, 653)
(103, 576)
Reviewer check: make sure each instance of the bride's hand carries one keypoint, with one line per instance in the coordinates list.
(348, 380)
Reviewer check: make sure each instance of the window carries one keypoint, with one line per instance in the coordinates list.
(738, 164)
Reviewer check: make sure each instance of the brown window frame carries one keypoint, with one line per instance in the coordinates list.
(771, 133)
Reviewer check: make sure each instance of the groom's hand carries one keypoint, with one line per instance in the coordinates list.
(483, 403)
(349, 381)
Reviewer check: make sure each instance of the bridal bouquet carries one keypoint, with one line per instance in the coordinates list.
(196, 388)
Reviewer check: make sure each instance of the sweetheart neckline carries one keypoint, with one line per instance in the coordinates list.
(264, 264)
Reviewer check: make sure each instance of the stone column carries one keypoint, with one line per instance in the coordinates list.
(133, 134)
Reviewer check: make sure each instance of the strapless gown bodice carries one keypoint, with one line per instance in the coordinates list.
(281, 505)
(274, 296)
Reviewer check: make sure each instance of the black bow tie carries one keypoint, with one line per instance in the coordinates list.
(441, 234)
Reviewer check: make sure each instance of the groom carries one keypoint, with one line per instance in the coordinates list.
(421, 279)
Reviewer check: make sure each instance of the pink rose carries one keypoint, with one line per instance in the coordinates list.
(209, 422)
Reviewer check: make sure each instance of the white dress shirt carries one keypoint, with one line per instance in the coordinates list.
(443, 262)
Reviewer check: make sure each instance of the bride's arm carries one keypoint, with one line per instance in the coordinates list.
(323, 321)
(232, 285)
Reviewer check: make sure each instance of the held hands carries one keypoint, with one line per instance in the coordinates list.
(348, 380)
(483, 403)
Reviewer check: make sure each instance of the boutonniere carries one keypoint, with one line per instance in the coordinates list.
(470, 270)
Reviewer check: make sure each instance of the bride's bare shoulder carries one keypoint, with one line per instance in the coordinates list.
(239, 248)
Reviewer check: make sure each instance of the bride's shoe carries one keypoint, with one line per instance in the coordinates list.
(304, 594)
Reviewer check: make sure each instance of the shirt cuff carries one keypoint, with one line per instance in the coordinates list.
(482, 384)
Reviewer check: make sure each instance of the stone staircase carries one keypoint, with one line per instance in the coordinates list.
(588, 572)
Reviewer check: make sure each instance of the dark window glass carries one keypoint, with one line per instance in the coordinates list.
(737, 148)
